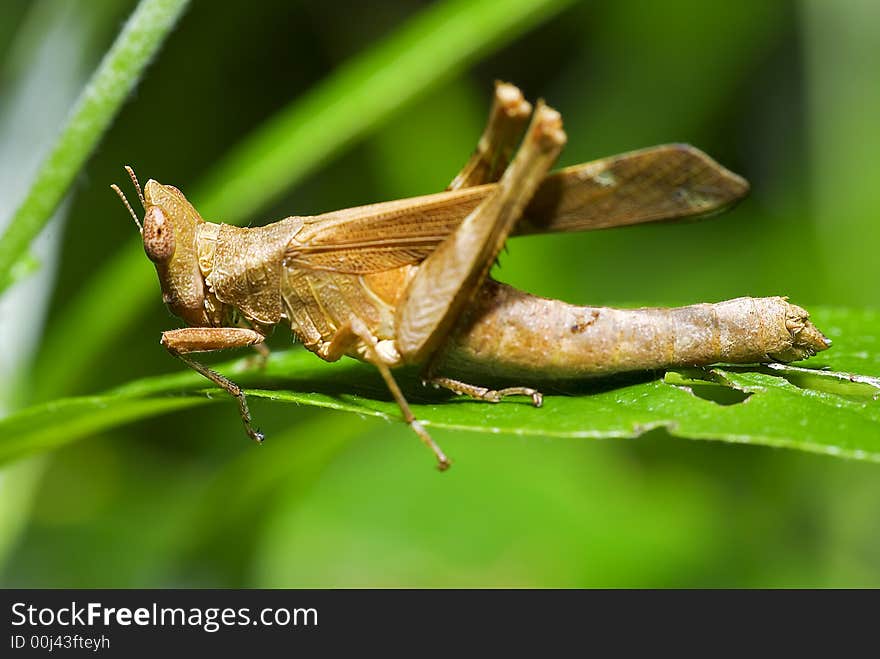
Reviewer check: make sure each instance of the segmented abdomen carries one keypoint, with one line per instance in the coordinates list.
(513, 335)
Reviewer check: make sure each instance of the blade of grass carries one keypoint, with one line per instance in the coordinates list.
(361, 94)
(96, 107)
(429, 49)
(45, 62)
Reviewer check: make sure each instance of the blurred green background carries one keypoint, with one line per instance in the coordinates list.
(785, 93)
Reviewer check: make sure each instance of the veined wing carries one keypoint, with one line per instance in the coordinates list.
(667, 182)
(659, 183)
(381, 236)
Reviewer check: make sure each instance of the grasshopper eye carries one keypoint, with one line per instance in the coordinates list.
(158, 235)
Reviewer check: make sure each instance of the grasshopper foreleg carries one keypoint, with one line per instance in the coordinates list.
(485, 394)
(180, 342)
(354, 333)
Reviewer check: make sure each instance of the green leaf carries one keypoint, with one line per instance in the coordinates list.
(96, 107)
(806, 408)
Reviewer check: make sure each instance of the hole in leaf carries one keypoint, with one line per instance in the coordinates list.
(718, 393)
(707, 385)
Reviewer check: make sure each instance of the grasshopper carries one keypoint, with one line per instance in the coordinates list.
(406, 282)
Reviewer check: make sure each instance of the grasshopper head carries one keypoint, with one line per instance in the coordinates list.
(170, 232)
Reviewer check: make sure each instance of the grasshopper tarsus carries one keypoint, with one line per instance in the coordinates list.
(484, 394)
(243, 410)
(443, 463)
(536, 396)
(245, 414)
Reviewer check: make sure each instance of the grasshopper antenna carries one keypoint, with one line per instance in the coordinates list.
(137, 185)
(122, 196)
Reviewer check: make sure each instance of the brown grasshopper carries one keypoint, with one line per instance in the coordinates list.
(406, 282)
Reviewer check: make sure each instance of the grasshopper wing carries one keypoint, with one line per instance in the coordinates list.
(381, 236)
(666, 182)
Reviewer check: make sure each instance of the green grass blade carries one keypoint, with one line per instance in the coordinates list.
(429, 49)
(96, 107)
(813, 410)
(432, 47)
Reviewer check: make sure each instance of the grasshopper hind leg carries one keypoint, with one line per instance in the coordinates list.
(507, 120)
(484, 393)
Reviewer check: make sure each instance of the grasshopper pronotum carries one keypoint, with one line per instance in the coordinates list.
(406, 282)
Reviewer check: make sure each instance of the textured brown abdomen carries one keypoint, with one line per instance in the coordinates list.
(513, 335)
